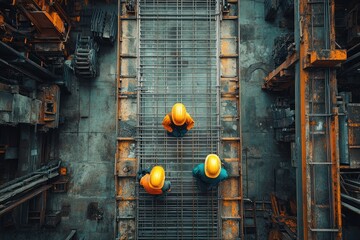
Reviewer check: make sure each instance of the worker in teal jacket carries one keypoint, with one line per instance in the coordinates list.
(210, 173)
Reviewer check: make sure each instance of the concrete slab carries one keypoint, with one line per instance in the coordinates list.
(73, 147)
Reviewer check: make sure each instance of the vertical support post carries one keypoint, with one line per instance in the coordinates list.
(300, 125)
(317, 174)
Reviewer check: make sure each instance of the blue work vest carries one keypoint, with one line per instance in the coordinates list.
(199, 172)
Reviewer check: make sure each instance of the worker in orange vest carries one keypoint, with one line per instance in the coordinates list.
(178, 121)
(154, 181)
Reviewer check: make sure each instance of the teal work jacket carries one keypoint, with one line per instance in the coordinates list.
(199, 172)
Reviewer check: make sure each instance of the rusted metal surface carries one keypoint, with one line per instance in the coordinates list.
(326, 58)
(178, 63)
(231, 192)
(125, 159)
(50, 20)
(319, 211)
(228, 224)
(50, 106)
(283, 76)
(283, 221)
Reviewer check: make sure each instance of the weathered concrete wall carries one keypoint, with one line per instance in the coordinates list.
(264, 154)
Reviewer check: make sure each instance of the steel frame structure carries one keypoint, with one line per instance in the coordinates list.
(189, 55)
(318, 192)
(177, 63)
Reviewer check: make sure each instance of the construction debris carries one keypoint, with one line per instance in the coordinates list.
(283, 121)
(283, 219)
(103, 26)
(282, 48)
(85, 60)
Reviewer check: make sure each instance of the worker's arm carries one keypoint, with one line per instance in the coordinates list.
(167, 124)
(189, 121)
(166, 187)
(223, 174)
(196, 170)
(143, 178)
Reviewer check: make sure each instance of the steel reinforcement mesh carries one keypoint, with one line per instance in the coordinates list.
(178, 63)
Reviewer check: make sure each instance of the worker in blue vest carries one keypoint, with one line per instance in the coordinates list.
(210, 173)
(178, 121)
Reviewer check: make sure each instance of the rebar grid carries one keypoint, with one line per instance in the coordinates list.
(178, 63)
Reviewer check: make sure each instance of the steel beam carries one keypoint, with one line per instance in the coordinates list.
(318, 191)
(24, 199)
(25, 64)
(279, 78)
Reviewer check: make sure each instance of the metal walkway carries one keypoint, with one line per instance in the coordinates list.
(178, 59)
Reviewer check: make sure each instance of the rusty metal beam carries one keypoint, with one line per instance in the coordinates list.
(315, 103)
(279, 78)
(24, 64)
(25, 198)
(326, 58)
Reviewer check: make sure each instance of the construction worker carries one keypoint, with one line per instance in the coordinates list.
(154, 181)
(210, 173)
(178, 121)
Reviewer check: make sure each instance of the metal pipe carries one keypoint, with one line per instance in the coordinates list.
(352, 208)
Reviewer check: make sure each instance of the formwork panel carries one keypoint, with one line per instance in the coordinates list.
(178, 63)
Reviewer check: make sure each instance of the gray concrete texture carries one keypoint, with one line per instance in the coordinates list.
(264, 154)
(86, 146)
(264, 159)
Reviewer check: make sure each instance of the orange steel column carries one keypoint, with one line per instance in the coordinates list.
(334, 135)
(304, 42)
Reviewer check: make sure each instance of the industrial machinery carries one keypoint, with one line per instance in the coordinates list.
(38, 29)
(85, 59)
(103, 26)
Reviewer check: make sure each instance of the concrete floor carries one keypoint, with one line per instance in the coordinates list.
(87, 144)
(87, 147)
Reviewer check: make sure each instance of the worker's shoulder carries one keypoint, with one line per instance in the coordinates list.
(188, 115)
(224, 173)
(198, 168)
(201, 166)
(167, 118)
(145, 178)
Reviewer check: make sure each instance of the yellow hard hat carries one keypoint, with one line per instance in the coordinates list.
(212, 166)
(178, 114)
(157, 177)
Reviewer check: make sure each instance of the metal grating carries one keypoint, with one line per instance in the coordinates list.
(178, 63)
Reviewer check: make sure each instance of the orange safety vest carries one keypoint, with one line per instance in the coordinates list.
(145, 180)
